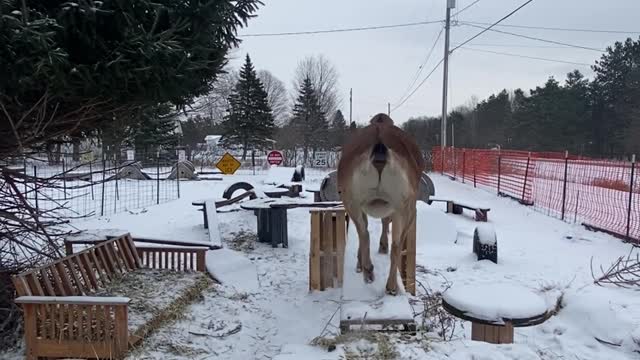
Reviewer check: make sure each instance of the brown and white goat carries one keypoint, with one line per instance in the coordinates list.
(378, 176)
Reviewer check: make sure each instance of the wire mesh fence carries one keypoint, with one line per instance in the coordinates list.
(603, 195)
(96, 185)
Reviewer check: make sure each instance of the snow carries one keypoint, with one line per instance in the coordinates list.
(279, 175)
(297, 352)
(233, 269)
(281, 316)
(495, 302)
(486, 234)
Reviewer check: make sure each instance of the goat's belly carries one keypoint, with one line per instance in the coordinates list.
(378, 208)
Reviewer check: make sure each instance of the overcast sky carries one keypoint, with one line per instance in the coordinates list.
(380, 64)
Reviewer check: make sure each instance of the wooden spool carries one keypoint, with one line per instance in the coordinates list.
(326, 255)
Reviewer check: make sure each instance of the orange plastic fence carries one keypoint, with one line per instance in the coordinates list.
(601, 194)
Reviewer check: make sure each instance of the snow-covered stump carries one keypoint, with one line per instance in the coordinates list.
(485, 243)
(327, 246)
(495, 309)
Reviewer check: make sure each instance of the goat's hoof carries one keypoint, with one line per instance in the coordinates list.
(383, 250)
(358, 268)
(368, 275)
(392, 292)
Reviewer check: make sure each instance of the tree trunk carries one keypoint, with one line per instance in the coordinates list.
(244, 150)
(76, 149)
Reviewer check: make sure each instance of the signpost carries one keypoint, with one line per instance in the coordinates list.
(228, 164)
(275, 157)
(320, 159)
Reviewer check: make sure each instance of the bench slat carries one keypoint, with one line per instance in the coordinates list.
(47, 282)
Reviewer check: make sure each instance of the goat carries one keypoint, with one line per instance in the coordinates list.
(378, 175)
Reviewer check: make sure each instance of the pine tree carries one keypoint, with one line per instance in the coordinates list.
(309, 120)
(156, 128)
(249, 122)
(338, 129)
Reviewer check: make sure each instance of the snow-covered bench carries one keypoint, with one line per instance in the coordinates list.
(456, 207)
(68, 313)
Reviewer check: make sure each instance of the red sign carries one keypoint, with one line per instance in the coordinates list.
(275, 157)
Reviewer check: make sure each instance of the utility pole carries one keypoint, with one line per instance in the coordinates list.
(350, 105)
(450, 5)
(389, 109)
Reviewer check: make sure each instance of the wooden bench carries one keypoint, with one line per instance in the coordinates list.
(61, 317)
(456, 207)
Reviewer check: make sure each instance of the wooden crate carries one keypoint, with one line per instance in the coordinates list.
(327, 245)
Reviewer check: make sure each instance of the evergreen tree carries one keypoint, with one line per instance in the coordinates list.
(338, 129)
(249, 121)
(94, 61)
(155, 128)
(309, 120)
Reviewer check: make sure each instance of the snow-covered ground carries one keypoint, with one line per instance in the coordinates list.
(280, 318)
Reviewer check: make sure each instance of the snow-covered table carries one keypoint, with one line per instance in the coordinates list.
(272, 217)
(495, 309)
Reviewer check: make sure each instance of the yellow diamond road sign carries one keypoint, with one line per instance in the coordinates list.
(228, 164)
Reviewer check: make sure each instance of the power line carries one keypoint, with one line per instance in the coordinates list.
(534, 38)
(419, 85)
(492, 25)
(424, 63)
(522, 46)
(465, 8)
(364, 28)
(526, 56)
(558, 28)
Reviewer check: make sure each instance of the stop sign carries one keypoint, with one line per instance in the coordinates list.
(275, 157)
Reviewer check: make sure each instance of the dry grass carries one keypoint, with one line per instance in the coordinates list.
(242, 241)
(360, 345)
(176, 309)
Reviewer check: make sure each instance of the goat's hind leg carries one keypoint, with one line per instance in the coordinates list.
(364, 257)
(383, 248)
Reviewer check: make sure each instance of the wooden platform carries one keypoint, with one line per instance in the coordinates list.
(367, 306)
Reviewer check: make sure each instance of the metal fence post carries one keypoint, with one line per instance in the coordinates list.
(64, 178)
(499, 170)
(464, 162)
(91, 174)
(158, 177)
(564, 182)
(633, 168)
(24, 171)
(104, 173)
(474, 168)
(526, 174)
(35, 186)
(178, 176)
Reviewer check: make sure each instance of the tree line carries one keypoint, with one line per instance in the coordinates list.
(597, 117)
(253, 110)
